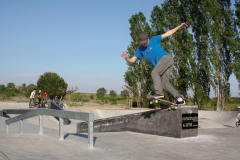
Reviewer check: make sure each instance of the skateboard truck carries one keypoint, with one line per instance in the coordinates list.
(171, 105)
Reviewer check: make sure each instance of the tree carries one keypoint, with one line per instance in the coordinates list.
(2, 88)
(23, 88)
(53, 84)
(222, 36)
(113, 93)
(29, 89)
(179, 45)
(8, 91)
(11, 85)
(236, 57)
(124, 93)
(201, 74)
(100, 93)
(136, 77)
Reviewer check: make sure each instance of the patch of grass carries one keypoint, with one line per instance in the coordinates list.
(232, 106)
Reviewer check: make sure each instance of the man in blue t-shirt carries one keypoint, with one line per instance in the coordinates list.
(160, 60)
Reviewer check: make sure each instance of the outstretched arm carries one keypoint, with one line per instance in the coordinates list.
(172, 31)
(131, 60)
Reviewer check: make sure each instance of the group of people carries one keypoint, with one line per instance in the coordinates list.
(39, 96)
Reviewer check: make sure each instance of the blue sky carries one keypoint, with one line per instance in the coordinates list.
(79, 40)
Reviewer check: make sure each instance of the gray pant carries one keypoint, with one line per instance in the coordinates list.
(161, 75)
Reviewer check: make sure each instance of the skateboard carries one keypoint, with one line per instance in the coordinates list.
(171, 105)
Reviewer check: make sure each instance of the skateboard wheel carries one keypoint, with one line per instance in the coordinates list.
(151, 102)
(173, 107)
(156, 101)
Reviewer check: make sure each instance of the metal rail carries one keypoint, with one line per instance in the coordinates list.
(61, 114)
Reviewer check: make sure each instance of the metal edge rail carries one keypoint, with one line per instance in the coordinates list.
(61, 114)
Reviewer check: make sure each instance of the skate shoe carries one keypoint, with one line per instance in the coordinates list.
(180, 101)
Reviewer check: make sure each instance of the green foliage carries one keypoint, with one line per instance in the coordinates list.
(29, 89)
(222, 35)
(204, 55)
(200, 65)
(124, 93)
(236, 57)
(113, 93)
(91, 96)
(182, 50)
(10, 90)
(100, 93)
(11, 85)
(53, 84)
(2, 88)
(137, 74)
(77, 97)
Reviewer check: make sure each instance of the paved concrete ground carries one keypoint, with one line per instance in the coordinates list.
(221, 142)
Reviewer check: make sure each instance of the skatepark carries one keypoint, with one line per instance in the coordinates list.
(217, 138)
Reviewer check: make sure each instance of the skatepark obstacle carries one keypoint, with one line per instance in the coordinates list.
(179, 123)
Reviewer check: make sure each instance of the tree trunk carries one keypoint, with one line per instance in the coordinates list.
(220, 95)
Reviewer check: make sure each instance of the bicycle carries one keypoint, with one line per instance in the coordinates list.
(238, 122)
(31, 103)
(42, 104)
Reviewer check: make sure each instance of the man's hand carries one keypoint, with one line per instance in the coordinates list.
(184, 24)
(131, 60)
(124, 55)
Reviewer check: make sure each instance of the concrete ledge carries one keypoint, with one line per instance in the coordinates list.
(1, 112)
(179, 123)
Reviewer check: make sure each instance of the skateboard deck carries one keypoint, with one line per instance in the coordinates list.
(171, 105)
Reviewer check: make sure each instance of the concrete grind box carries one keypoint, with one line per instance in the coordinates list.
(179, 123)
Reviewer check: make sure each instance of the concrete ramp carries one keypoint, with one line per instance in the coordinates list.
(179, 123)
(217, 119)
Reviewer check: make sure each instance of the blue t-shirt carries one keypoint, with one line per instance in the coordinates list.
(153, 52)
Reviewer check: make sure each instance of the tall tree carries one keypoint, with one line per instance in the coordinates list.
(236, 59)
(201, 74)
(222, 35)
(135, 77)
(180, 44)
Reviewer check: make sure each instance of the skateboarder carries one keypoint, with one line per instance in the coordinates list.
(160, 60)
